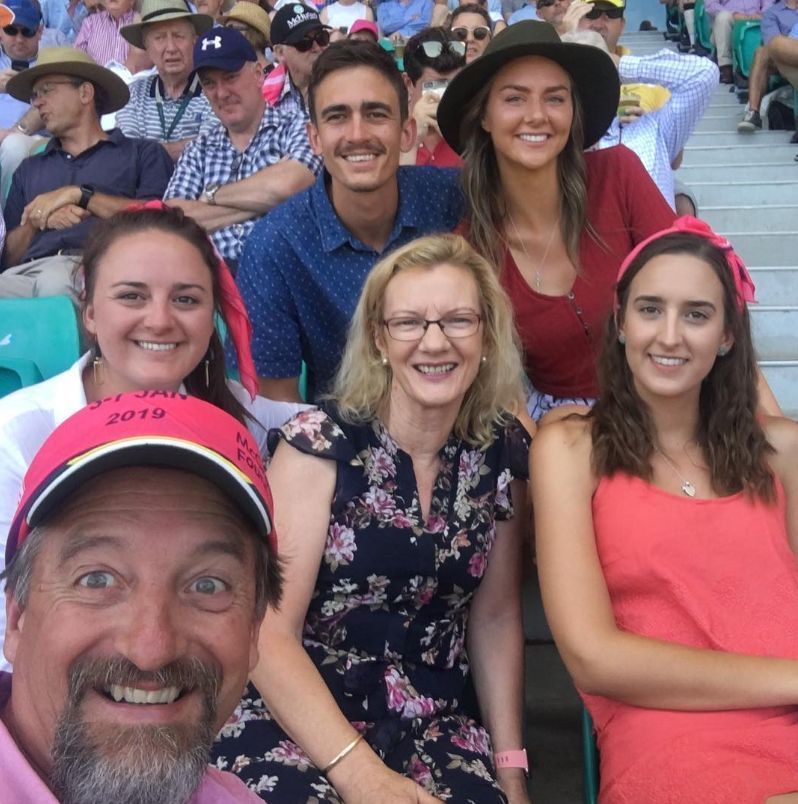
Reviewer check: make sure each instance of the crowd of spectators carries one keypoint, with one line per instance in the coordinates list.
(429, 266)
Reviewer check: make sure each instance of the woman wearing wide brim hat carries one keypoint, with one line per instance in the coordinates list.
(556, 221)
(154, 11)
(68, 61)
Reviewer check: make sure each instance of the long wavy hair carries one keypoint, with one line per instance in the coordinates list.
(172, 221)
(362, 386)
(729, 433)
(483, 189)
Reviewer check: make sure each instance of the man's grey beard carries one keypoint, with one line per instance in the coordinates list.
(132, 764)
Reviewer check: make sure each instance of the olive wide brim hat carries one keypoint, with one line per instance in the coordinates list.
(154, 11)
(68, 61)
(593, 72)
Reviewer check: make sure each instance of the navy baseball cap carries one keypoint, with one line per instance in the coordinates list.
(26, 14)
(223, 49)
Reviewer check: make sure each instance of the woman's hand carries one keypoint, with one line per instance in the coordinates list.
(388, 787)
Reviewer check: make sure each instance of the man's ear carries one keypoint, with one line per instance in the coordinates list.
(15, 622)
(313, 136)
(408, 138)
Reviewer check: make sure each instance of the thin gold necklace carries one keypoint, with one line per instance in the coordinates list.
(688, 489)
(538, 275)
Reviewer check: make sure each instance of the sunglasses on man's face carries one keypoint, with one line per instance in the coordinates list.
(14, 30)
(320, 38)
(434, 49)
(609, 13)
(481, 32)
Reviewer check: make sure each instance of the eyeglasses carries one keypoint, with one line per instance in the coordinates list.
(481, 32)
(546, 3)
(320, 38)
(45, 89)
(409, 328)
(15, 30)
(610, 13)
(434, 49)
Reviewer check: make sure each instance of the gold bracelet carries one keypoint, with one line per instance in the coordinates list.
(341, 755)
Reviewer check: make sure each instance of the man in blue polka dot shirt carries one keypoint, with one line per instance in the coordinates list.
(304, 264)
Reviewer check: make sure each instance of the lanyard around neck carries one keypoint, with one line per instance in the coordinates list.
(188, 94)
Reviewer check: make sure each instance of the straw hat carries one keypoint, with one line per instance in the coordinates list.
(68, 61)
(250, 14)
(153, 11)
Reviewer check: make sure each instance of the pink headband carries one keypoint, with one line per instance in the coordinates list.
(688, 225)
(233, 310)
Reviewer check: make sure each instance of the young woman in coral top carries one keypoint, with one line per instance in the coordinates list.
(667, 528)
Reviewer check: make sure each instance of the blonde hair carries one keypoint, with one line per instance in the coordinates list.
(362, 386)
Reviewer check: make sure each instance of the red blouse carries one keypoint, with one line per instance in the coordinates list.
(562, 335)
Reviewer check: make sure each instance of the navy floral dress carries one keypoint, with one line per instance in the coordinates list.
(386, 625)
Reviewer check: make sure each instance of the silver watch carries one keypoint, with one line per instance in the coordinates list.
(209, 193)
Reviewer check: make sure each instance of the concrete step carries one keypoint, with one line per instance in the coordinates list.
(782, 377)
(753, 150)
(775, 331)
(737, 172)
(774, 249)
(733, 138)
(720, 122)
(746, 193)
(776, 284)
(782, 218)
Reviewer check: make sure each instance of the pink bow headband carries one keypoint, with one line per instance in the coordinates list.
(743, 283)
(233, 310)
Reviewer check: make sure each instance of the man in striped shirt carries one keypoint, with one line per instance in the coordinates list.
(169, 106)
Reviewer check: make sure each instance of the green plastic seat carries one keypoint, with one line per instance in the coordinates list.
(746, 38)
(590, 760)
(703, 27)
(16, 373)
(42, 331)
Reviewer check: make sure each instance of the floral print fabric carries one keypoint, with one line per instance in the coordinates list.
(386, 625)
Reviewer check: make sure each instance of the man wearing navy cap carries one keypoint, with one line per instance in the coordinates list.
(252, 161)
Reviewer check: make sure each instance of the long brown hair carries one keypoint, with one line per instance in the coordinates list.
(483, 190)
(729, 434)
(172, 221)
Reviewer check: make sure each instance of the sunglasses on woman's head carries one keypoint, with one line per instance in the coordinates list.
(13, 30)
(481, 32)
(320, 38)
(610, 13)
(434, 49)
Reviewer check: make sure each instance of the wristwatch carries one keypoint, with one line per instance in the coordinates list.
(209, 193)
(86, 193)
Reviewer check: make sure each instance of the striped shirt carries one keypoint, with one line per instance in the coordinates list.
(99, 37)
(749, 7)
(213, 159)
(140, 117)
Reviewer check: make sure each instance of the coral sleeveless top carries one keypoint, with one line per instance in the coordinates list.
(715, 574)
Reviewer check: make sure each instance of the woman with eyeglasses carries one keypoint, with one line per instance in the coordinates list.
(402, 557)
(554, 220)
(471, 23)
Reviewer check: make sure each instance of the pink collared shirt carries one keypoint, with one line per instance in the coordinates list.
(20, 783)
(99, 37)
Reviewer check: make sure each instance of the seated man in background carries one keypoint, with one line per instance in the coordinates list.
(253, 22)
(84, 172)
(432, 58)
(134, 595)
(169, 106)
(100, 34)
(404, 18)
(253, 160)
(724, 14)
(778, 54)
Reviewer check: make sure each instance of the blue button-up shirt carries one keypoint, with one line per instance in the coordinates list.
(303, 270)
(118, 166)
(778, 20)
(406, 19)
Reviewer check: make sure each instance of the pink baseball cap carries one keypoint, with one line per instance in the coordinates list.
(144, 428)
(364, 25)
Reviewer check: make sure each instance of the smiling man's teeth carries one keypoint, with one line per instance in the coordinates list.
(156, 347)
(134, 695)
(668, 361)
(436, 369)
(533, 137)
(360, 157)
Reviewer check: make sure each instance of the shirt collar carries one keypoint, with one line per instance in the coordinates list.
(192, 87)
(115, 137)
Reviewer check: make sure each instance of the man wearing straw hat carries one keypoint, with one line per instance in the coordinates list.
(169, 106)
(83, 174)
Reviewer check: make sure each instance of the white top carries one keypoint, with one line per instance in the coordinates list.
(28, 416)
(341, 16)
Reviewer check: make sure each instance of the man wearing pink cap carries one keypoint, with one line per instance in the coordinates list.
(139, 564)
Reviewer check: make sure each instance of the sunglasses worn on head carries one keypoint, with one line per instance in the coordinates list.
(610, 13)
(434, 49)
(14, 30)
(546, 3)
(320, 38)
(481, 32)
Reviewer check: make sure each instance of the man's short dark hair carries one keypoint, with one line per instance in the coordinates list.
(471, 8)
(350, 53)
(416, 60)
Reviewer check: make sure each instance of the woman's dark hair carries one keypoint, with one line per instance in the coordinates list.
(416, 60)
(172, 221)
(471, 8)
(729, 434)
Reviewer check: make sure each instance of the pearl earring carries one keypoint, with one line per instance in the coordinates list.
(484, 358)
(723, 350)
(622, 339)
(384, 360)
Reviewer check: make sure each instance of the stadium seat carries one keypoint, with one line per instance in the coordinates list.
(590, 761)
(746, 38)
(16, 373)
(42, 332)
(703, 27)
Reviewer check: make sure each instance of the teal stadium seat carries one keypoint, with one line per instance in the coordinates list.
(703, 27)
(39, 338)
(746, 38)
(590, 760)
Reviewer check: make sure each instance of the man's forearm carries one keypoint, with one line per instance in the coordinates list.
(17, 242)
(103, 205)
(210, 216)
(267, 188)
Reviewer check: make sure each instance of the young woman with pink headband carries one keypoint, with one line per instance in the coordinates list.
(667, 533)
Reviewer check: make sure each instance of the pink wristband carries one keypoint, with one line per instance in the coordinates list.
(512, 759)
